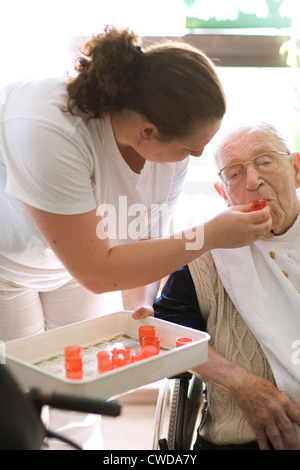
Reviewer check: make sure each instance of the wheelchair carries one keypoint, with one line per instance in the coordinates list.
(21, 427)
(188, 405)
(21, 411)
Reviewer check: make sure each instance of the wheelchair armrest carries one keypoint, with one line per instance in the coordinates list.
(182, 376)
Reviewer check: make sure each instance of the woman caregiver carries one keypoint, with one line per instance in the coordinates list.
(78, 157)
(88, 167)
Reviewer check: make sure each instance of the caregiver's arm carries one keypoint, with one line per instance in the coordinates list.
(100, 268)
(270, 413)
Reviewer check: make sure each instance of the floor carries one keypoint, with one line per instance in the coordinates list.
(134, 428)
(137, 427)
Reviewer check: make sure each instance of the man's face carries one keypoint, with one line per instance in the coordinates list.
(278, 188)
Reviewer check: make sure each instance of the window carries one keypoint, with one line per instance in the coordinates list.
(254, 44)
(238, 14)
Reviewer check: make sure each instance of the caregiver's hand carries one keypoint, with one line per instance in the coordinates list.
(237, 226)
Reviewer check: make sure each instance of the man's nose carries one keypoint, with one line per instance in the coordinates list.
(253, 177)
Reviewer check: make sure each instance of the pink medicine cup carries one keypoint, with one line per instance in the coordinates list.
(150, 350)
(121, 356)
(73, 362)
(153, 341)
(183, 341)
(138, 355)
(146, 330)
(104, 359)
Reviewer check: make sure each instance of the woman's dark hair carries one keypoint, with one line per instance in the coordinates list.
(173, 85)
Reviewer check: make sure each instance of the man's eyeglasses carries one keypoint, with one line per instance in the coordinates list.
(265, 163)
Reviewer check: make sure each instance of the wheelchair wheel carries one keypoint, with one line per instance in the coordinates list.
(193, 411)
(184, 411)
(173, 414)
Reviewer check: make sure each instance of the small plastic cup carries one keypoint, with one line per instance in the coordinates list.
(138, 355)
(121, 356)
(153, 341)
(104, 361)
(146, 330)
(183, 341)
(73, 362)
(258, 204)
(150, 350)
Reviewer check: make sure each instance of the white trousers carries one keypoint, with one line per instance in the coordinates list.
(25, 312)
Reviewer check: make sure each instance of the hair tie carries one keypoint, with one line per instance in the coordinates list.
(136, 63)
(138, 51)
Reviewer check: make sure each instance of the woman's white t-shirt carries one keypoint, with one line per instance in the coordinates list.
(67, 164)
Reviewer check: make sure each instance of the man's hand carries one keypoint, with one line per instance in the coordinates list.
(270, 413)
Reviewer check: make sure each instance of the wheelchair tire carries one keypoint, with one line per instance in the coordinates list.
(185, 406)
(173, 414)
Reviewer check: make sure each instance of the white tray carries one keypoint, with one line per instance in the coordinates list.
(24, 353)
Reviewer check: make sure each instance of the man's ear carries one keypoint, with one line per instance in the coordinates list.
(220, 190)
(297, 168)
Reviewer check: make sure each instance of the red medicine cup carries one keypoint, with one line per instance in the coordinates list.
(183, 341)
(73, 362)
(146, 330)
(150, 350)
(104, 361)
(138, 355)
(121, 356)
(154, 342)
(258, 204)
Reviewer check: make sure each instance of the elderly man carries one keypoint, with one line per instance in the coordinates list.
(248, 300)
